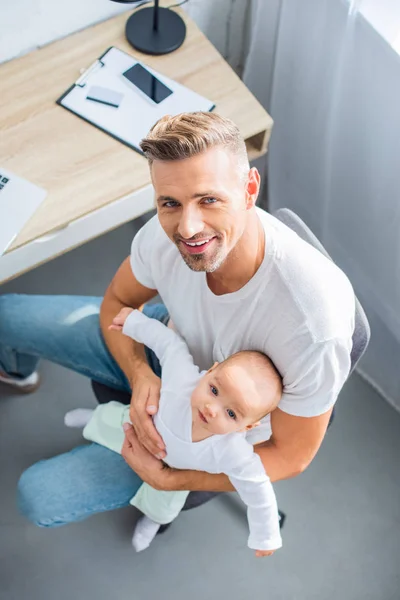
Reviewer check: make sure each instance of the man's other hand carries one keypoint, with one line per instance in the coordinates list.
(149, 469)
(146, 388)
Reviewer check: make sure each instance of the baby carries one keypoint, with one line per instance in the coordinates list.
(203, 418)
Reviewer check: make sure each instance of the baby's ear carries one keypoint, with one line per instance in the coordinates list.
(213, 367)
(248, 427)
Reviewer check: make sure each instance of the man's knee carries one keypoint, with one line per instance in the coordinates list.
(35, 501)
(7, 311)
(6, 300)
(17, 317)
(72, 486)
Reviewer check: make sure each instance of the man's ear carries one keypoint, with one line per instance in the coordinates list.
(213, 367)
(252, 187)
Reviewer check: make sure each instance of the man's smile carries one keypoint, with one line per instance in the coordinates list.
(197, 246)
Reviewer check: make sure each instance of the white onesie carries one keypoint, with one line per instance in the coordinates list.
(231, 453)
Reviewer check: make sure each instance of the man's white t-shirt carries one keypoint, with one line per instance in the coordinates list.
(298, 309)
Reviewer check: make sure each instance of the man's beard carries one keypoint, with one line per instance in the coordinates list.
(198, 262)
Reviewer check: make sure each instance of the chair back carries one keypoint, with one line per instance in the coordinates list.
(362, 332)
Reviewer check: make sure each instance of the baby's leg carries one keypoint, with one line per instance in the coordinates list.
(102, 425)
(159, 508)
(105, 425)
(145, 532)
(79, 417)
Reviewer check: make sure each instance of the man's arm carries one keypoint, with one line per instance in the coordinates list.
(124, 290)
(293, 445)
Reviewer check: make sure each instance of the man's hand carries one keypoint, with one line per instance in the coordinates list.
(151, 470)
(144, 403)
(145, 399)
(264, 553)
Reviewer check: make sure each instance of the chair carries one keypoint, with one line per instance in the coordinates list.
(362, 332)
(361, 338)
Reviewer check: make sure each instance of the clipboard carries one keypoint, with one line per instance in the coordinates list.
(135, 115)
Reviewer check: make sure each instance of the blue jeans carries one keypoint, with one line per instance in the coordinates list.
(65, 330)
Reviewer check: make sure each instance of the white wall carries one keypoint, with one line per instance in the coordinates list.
(27, 24)
(332, 86)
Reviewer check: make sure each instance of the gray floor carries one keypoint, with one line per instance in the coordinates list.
(341, 541)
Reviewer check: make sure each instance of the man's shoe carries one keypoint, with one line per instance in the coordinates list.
(282, 519)
(27, 385)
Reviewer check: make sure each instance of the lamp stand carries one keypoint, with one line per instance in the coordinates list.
(155, 30)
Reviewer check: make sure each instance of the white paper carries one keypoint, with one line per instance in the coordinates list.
(136, 115)
(19, 199)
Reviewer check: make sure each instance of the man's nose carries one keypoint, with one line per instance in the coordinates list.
(191, 223)
(211, 412)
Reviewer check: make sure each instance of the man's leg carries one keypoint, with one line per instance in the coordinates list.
(72, 486)
(62, 329)
(90, 478)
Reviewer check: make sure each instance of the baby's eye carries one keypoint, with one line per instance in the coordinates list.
(231, 413)
(214, 390)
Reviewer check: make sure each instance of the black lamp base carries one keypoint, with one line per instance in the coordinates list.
(169, 35)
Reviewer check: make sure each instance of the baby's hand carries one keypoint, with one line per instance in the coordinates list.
(119, 320)
(264, 553)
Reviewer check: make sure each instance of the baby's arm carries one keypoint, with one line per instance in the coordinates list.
(169, 347)
(247, 474)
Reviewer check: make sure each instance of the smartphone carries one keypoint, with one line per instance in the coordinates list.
(147, 83)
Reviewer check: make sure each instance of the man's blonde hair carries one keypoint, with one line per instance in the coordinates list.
(188, 134)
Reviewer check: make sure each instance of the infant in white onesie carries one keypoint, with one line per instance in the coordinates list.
(203, 418)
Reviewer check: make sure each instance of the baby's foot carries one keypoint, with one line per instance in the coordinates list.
(144, 534)
(79, 417)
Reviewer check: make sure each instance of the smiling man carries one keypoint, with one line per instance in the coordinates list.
(231, 278)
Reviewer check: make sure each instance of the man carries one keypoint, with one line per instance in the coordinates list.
(231, 278)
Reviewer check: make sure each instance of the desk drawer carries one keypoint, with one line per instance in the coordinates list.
(78, 232)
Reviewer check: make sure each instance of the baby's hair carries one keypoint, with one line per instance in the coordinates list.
(263, 371)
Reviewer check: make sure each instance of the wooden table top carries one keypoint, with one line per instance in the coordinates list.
(81, 167)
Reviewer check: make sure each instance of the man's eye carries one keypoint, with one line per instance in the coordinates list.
(209, 200)
(231, 414)
(170, 204)
(214, 390)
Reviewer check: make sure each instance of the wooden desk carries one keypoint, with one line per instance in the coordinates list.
(94, 182)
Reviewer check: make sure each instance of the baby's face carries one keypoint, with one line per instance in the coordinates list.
(226, 400)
